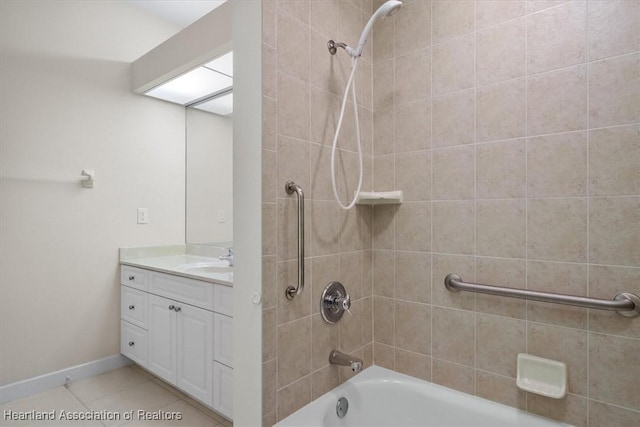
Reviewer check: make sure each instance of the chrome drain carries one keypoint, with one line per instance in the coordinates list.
(342, 407)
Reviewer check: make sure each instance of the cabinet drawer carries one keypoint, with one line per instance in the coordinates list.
(133, 342)
(223, 389)
(223, 339)
(133, 306)
(134, 277)
(194, 292)
(223, 299)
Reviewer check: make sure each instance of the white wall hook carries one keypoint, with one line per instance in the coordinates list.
(91, 176)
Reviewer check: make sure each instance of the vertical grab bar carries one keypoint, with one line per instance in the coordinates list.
(291, 187)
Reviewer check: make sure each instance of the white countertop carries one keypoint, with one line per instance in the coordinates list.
(175, 260)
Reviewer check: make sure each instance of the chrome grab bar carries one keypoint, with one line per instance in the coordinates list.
(626, 304)
(291, 187)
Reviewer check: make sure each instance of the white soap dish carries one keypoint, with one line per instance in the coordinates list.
(379, 197)
(542, 376)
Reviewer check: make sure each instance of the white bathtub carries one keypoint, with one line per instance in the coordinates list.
(380, 397)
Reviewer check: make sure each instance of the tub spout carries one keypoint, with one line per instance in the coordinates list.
(338, 358)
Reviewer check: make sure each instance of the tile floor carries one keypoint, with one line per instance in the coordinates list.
(117, 392)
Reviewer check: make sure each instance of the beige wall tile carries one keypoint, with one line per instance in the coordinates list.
(613, 28)
(454, 119)
(413, 364)
(500, 50)
(413, 27)
(383, 273)
(500, 111)
(348, 174)
(269, 115)
(606, 282)
(324, 338)
(293, 53)
(538, 5)
(327, 72)
(557, 101)
(413, 126)
(564, 345)
(557, 165)
(269, 387)
(572, 409)
(294, 351)
(383, 131)
(367, 320)
(453, 376)
(453, 173)
(349, 21)
(453, 64)
(413, 76)
(325, 108)
(614, 91)
(269, 334)
(351, 329)
(297, 8)
(413, 175)
(617, 386)
(325, 379)
(324, 227)
(413, 276)
(324, 270)
(500, 389)
(413, 327)
(453, 335)
(413, 226)
(453, 227)
(293, 163)
(383, 43)
(293, 107)
(613, 238)
(460, 265)
(501, 170)
(269, 174)
(293, 397)
(452, 18)
(557, 229)
(323, 16)
(298, 307)
(501, 228)
(269, 233)
(269, 22)
(383, 356)
(383, 320)
(383, 173)
(614, 159)
(557, 37)
(320, 172)
(383, 86)
(603, 415)
(351, 273)
(498, 343)
(501, 272)
(557, 277)
(269, 74)
(383, 226)
(269, 281)
(491, 12)
(287, 226)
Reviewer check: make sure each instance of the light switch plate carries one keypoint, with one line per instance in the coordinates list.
(143, 216)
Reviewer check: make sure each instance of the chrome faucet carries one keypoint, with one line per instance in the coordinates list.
(339, 358)
(228, 257)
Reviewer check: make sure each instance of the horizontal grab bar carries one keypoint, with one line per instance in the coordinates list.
(625, 303)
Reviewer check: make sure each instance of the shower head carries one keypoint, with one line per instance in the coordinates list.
(388, 8)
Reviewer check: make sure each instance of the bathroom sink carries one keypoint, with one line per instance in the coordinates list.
(214, 269)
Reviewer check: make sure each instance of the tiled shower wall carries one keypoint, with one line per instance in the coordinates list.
(302, 90)
(513, 129)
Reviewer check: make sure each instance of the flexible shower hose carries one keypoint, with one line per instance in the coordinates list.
(350, 85)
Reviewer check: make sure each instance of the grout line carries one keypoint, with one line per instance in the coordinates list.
(588, 193)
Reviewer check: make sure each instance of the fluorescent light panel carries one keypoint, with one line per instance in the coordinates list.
(193, 85)
(222, 64)
(222, 105)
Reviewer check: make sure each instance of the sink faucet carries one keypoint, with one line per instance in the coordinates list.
(228, 256)
(339, 358)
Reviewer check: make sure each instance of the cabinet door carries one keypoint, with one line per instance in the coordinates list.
(162, 338)
(223, 339)
(195, 351)
(223, 389)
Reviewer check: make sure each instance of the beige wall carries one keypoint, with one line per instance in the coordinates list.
(67, 105)
(302, 86)
(513, 129)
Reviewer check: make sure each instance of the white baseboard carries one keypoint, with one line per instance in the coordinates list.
(51, 380)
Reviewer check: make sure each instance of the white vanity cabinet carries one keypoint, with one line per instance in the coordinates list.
(181, 330)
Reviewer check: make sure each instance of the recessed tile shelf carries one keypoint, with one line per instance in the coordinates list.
(379, 198)
(541, 376)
